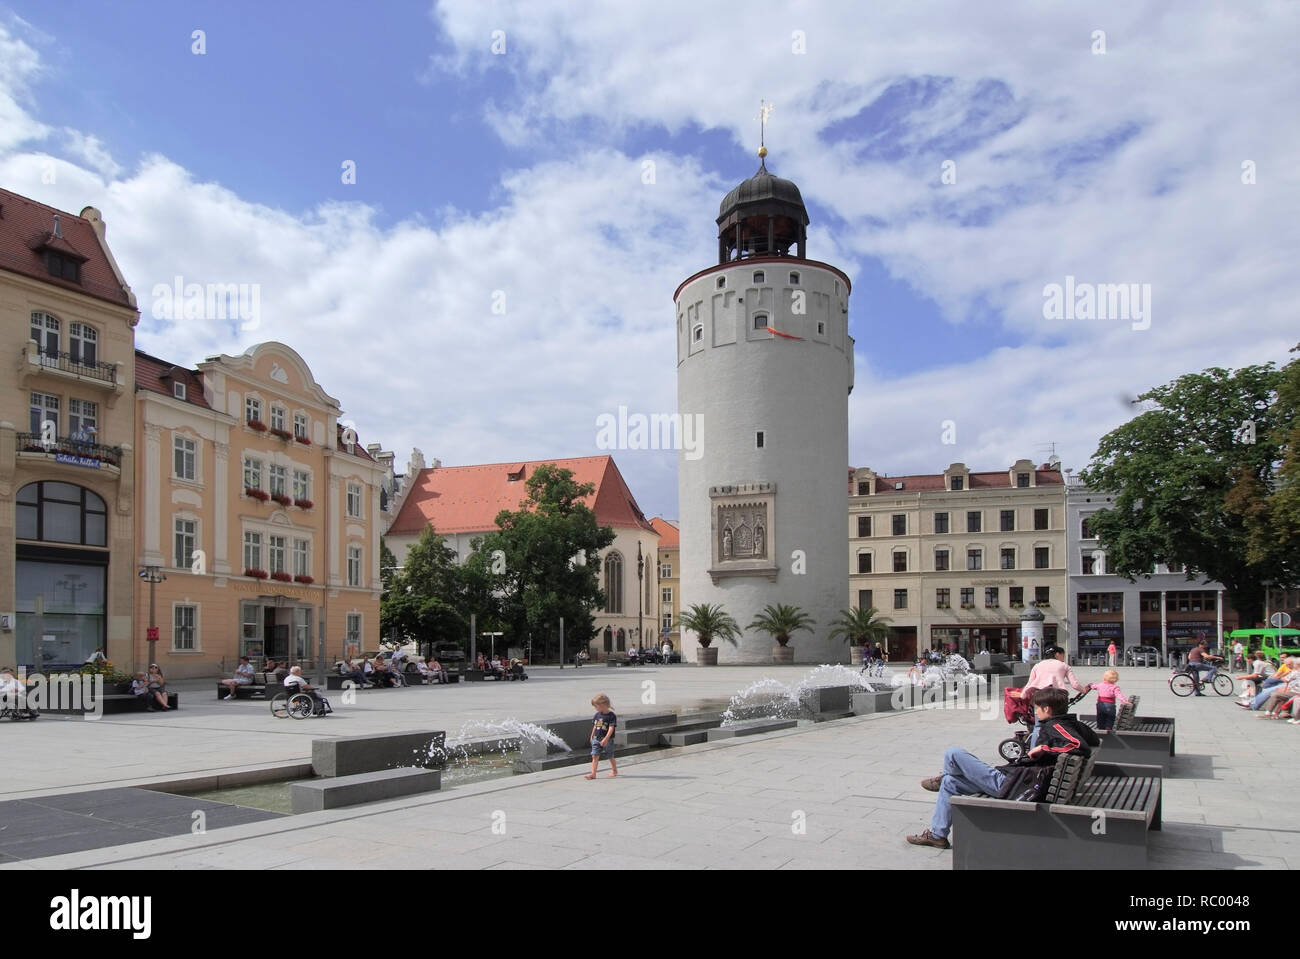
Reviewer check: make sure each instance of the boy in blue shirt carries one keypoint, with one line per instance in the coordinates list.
(603, 725)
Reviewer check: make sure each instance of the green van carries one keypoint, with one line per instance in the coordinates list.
(1275, 643)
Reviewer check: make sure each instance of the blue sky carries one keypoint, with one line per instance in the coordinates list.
(522, 172)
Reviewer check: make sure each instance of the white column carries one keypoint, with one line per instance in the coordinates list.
(220, 508)
(1218, 606)
(153, 494)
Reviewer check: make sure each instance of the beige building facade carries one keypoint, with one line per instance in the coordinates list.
(670, 583)
(67, 474)
(260, 511)
(953, 559)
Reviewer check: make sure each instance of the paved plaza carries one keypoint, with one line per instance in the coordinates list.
(840, 794)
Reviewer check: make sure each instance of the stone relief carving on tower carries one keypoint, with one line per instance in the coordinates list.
(742, 517)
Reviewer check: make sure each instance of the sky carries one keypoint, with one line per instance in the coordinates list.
(469, 217)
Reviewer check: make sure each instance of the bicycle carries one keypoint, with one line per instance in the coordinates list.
(286, 704)
(1184, 682)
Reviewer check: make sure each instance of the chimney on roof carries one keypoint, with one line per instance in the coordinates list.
(373, 449)
(58, 227)
(436, 463)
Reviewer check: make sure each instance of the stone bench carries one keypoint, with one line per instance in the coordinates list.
(318, 794)
(110, 704)
(1102, 820)
(881, 701)
(350, 755)
(750, 727)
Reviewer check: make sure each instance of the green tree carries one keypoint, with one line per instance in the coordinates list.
(779, 621)
(427, 599)
(545, 561)
(1209, 440)
(861, 626)
(707, 621)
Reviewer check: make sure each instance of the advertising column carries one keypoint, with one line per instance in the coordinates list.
(1031, 634)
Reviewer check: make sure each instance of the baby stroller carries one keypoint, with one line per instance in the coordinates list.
(17, 710)
(1018, 710)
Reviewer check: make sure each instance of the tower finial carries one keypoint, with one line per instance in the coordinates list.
(764, 111)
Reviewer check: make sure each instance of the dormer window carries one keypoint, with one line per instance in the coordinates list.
(958, 483)
(516, 476)
(178, 390)
(62, 267)
(760, 277)
(698, 334)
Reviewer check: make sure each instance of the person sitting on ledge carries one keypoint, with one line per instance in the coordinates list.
(437, 670)
(382, 676)
(243, 676)
(1262, 670)
(965, 775)
(157, 688)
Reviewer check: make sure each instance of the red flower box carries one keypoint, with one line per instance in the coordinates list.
(282, 577)
(257, 425)
(281, 499)
(305, 580)
(283, 434)
(303, 503)
(303, 440)
(256, 493)
(257, 573)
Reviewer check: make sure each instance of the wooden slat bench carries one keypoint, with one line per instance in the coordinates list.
(254, 690)
(1149, 741)
(1100, 821)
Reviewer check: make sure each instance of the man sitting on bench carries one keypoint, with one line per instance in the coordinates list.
(965, 775)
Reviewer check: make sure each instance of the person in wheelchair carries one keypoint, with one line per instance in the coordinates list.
(13, 696)
(296, 682)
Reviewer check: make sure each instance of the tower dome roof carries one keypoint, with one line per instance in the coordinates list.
(766, 190)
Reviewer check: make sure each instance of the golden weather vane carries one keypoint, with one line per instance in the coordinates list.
(764, 111)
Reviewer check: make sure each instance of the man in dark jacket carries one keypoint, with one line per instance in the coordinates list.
(965, 775)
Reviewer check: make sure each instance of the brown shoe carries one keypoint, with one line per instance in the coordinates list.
(932, 784)
(925, 839)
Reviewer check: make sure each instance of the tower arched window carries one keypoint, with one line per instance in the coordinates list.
(759, 277)
(760, 321)
(614, 583)
(698, 334)
(722, 283)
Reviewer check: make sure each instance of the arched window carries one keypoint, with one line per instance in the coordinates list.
(51, 512)
(614, 583)
(45, 331)
(760, 321)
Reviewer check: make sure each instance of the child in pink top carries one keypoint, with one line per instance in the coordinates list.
(1107, 691)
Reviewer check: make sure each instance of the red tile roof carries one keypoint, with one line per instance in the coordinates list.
(466, 499)
(669, 536)
(157, 376)
(936, 482)
(26, 227)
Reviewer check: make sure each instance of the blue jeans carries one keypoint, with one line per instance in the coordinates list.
(1204, 671)
(963, 775)
(1265, 690)
(1033, 736)
(1105, 715)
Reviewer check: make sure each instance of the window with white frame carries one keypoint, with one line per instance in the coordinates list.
(187, 535)
(83, 344)
(279, 480)
(252, 472)
(276, 552)
(83, 420)
(353, 632)
(301, 484)
(354, 500)
(665, 570)
(252, 550)
(185, 628)
(178, 391)
(667, 623)
(300, 425)
(44, 408)
(253, 409)
(354, 565)
(301, 557)
(277, 417)
(45, 331)
(185, 458)
(666, 595)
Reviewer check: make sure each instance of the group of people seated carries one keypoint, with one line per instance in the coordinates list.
(1272, 690)
(499, 666)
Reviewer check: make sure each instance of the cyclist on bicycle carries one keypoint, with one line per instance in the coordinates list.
(1201, 664)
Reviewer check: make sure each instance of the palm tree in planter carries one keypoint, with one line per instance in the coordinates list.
(779, 622)
(707, 621)
(860, 627)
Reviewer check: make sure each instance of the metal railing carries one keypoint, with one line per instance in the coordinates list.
(36, 443)
(72, 363)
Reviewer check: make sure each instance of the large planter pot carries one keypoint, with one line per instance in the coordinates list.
(707, 656)
(783, 655)
(856, 655)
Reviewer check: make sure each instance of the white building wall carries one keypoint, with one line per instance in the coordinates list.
(741, 381)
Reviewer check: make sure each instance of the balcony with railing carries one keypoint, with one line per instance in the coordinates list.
(71, 450)
(72, 366)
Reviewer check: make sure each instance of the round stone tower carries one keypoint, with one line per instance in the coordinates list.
(764, 370)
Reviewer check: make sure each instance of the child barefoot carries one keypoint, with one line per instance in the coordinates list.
(1106, 693)
(602, 736)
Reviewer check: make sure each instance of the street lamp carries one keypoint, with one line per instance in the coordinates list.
(152, 575)
(640, 589)
(492, 640)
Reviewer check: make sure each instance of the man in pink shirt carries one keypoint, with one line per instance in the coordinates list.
(1052, 673)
